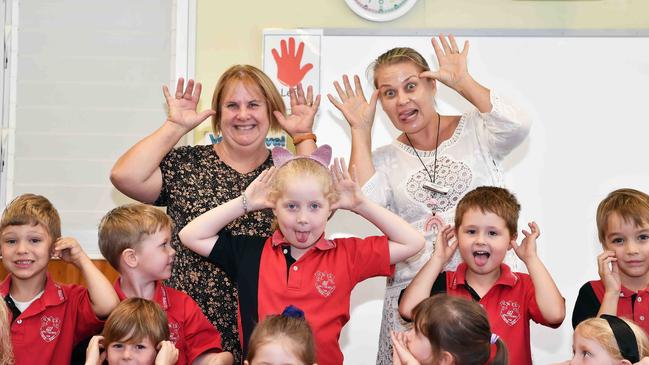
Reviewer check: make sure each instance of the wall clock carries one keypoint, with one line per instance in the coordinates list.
(380, 10)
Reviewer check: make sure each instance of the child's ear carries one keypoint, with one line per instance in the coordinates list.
(446, 358)
(129, 256)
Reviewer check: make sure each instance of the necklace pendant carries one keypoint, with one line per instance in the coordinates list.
(434, 221)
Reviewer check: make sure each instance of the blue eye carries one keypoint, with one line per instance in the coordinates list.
(291, 206)
(643, 237)
(315, 205)
(389, 93)
(617, 241)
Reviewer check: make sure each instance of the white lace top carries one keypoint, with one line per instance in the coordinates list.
(470, 158)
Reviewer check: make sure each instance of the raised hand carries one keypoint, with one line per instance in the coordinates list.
(257, 192)
(355, 108)
(94, 353)
(400, 353)
(452, 62)
(610, 275)
(527, 249)
(167, 353)
(303, 110)
(68, 249)
(182, 106)
(289, 71)
(350, 195)
(443, 250)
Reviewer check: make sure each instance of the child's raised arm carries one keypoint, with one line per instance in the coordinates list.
(102, 294)
(548, 297)
(200, 234)
(404, 241)
(420, 287)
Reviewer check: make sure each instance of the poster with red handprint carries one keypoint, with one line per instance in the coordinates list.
(292, 57)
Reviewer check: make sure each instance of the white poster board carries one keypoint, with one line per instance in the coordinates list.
(586, 94)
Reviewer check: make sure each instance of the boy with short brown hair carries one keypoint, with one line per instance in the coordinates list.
(485, 229)
(623, 288)
(48, 319)
(136, 240)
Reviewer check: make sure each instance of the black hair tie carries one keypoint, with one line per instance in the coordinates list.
(624, 337)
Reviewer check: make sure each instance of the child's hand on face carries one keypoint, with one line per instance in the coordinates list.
(257, 192)
(68, 249)
(350, 195)
(167, 353)
(610, 276)
(400, 353)
(526, 251)
(94, 355)
(443, 251)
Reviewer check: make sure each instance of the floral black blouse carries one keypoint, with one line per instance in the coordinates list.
(195, 180)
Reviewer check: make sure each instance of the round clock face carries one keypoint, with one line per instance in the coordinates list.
(380, 10)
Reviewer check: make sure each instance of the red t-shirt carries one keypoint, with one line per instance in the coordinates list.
(510, 305)
(320, 282)
(47, 331)
(189, 329)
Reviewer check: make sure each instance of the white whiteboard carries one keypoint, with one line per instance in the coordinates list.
(586, 94)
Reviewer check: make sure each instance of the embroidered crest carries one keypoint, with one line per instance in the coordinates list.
(50, 328)
(325, 283)
(510, 312)
(174, 332)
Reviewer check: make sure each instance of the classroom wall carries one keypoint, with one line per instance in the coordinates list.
(230, 32)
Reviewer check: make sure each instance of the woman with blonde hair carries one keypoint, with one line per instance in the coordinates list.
(436, 159)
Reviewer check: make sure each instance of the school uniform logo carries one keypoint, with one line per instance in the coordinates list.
(325, 283)
(50, 328)
(510, 311)
(174, 330)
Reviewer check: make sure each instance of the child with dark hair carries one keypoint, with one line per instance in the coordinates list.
(448, 330)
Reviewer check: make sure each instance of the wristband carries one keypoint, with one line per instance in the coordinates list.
(244, 203)
(303, 137)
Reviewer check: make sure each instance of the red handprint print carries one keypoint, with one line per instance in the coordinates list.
(289, 72)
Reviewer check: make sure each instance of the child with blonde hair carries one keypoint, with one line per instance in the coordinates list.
(609, 340)
(297, 264)
(451, 331)
(623, 287)
(136, 332)
(282, 339)
(6, 353)
(47, 318)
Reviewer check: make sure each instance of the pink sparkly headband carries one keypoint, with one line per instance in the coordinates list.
(321, 155)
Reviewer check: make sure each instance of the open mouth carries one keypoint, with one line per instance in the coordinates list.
(23, 263)
(244, 127)
(408, 115)
(301, 236)
(481, 257)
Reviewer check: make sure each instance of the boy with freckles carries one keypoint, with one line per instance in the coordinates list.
(623, 229)
(485, 229)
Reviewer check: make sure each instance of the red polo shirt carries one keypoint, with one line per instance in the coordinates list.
(320, 282)
(510, 304)
(632, 305)
(47, 331)
(189, 329)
